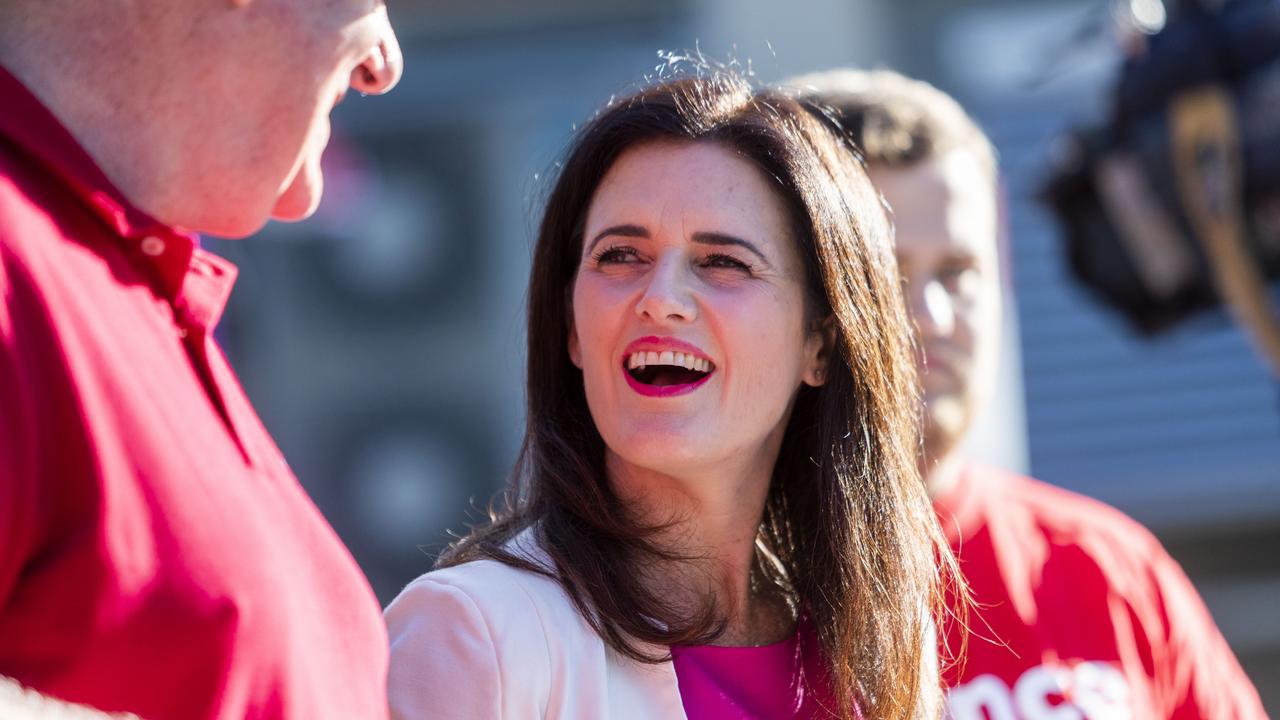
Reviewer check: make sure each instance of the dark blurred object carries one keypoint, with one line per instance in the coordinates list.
(1173, 206)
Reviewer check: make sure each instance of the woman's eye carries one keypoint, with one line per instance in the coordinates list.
(616, 255)
(718, 260)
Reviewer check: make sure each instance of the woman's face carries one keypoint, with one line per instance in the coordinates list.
(689, 319)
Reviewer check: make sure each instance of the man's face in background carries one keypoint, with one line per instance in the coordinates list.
(944, 212)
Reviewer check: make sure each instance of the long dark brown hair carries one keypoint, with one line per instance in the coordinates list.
(847, 516)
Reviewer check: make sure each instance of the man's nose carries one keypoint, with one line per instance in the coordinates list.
(666, 298)
(382, 68)
(931, 308)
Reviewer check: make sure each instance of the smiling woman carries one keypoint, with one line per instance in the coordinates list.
(716, 512)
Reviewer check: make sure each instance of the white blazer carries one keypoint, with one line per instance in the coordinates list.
(485, 640)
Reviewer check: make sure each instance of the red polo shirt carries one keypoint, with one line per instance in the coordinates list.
(156, 553)
(1080, 614)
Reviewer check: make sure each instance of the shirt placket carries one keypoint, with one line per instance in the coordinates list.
(197, 288)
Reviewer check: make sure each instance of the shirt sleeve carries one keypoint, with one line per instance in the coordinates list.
(444, 663)
(1201, 675)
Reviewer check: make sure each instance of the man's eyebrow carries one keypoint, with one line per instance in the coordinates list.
(620, 230)
(715, 238)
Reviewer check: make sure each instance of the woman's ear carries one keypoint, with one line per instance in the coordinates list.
(575, 347)
(575, 351)
(819, 345)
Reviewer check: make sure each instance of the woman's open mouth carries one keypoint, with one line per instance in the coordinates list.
(666, 373)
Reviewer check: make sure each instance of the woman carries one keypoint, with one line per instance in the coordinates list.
(717, 511)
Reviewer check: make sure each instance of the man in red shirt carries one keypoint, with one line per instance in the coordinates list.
(157, 556)
(1080, 613)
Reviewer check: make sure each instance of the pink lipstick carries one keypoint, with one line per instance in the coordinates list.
(665, 366)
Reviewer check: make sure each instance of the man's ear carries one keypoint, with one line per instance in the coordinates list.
(819, 346)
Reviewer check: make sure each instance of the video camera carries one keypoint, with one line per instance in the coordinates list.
(1173, 206)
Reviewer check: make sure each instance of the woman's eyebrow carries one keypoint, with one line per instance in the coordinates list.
(621, 230)
(702, 238)
(715, 238)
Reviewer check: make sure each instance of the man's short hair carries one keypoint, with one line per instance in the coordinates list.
(893, 120)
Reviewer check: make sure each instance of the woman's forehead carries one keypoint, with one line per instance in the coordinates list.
(689, 187)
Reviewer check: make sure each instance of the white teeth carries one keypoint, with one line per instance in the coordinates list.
(640, 360)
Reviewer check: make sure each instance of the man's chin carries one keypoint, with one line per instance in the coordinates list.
(946, 422)
(300, 200)
(293, 212)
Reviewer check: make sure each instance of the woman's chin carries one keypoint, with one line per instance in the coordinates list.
(667, 453)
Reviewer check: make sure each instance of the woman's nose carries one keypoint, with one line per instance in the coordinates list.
(667, 297)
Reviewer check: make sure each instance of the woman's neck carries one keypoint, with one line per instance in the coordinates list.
(713, 518)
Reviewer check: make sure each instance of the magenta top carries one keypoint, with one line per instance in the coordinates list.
(786, 679)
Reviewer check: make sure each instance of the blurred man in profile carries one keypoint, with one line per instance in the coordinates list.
(1079, 611)
(157, 556)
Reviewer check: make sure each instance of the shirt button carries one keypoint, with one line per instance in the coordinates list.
(152, 245)
(182, 333)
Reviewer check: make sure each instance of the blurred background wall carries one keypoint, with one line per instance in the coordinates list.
(382, 341)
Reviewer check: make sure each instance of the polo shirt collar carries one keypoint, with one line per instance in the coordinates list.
(166, 253)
